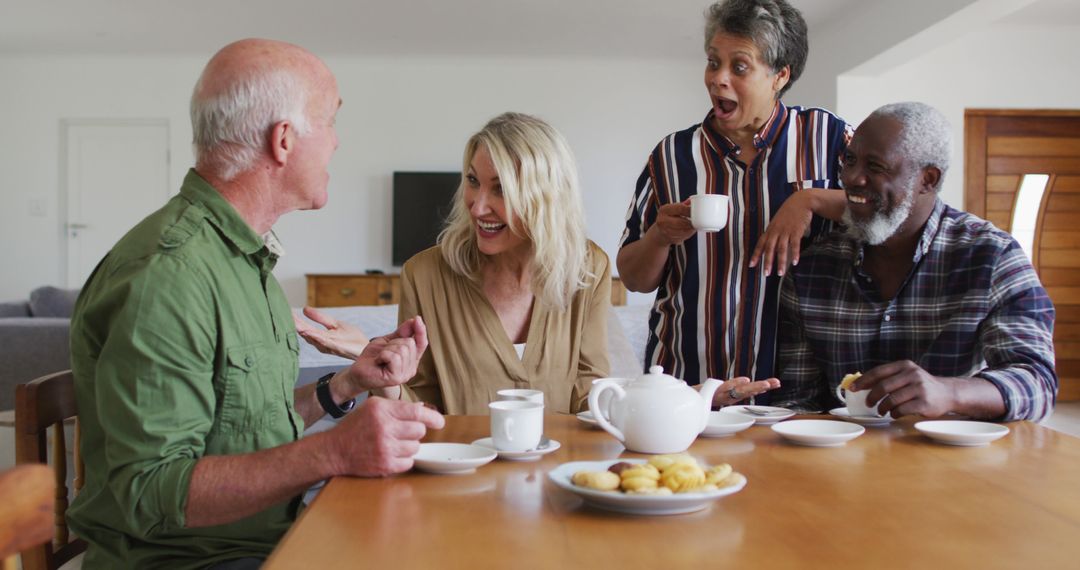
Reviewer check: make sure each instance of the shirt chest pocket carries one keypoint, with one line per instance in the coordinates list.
(247, 386)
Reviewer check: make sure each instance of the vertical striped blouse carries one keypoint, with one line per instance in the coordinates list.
(714, 316)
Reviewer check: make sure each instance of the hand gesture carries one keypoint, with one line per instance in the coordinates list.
(782, 237)
(672, 224)
(380, 437)
(903, 388)
(340, 339)
(390, 360)
(738, 389)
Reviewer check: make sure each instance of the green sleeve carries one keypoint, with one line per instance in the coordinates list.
(154, 390)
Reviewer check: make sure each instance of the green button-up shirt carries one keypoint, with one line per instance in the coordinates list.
(182, 346)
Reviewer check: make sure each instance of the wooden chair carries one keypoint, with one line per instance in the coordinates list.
(39, 404)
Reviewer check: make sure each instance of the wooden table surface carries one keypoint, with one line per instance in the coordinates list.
(890, 498)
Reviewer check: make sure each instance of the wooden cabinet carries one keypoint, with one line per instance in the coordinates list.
(346, 289)
(342, 289)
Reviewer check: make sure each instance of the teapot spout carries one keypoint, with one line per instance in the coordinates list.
(708, 390)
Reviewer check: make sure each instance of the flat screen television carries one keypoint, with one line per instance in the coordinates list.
(422, 202)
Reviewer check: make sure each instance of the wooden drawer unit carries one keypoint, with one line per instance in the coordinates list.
(345, 289)
(342, 290)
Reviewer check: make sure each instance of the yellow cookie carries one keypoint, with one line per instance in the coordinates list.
(682, 477)
(639, 484)
(849, 380)
(717, 473)
(662, 462)
(732, 480)
(600, 480)
(644, 470)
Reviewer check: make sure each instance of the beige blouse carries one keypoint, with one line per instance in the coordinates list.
(470, 357)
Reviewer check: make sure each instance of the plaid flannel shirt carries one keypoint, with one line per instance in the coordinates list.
(971, 305)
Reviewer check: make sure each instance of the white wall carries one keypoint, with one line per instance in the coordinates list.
(996, 67)
(399, 114)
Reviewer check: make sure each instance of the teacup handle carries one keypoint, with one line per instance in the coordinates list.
(508, 427)
(840, 394)
(601, 415)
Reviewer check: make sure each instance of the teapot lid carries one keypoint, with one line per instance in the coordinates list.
(655, 377)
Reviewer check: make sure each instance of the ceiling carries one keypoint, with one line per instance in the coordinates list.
(433, 28)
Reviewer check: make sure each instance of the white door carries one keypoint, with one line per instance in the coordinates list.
(117, 172)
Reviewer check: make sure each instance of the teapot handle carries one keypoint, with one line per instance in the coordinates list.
(599, 414)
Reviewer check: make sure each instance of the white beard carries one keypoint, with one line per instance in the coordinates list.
(881, 226)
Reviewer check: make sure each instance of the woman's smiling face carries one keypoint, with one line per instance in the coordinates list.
(484, 200)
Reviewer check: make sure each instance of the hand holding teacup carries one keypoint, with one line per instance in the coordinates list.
(708, 212)
(904, 388)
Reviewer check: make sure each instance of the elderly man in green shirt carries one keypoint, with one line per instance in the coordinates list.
(185, 353)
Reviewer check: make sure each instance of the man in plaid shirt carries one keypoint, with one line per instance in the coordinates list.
(942, 311)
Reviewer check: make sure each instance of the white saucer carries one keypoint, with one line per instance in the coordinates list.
(723, 424)
(871, 421)
(530, 455)
(963, 433)
(777, 414)
(819, 433)
(451, 457)
(586, 417)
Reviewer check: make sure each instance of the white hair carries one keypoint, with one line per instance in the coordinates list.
(539, 181)
(926, 137)
(230, 128)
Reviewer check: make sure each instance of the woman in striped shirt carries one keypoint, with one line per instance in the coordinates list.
(715, 313)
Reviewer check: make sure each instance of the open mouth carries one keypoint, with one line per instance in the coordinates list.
(856, 199)
(489, 229)
(725, 107)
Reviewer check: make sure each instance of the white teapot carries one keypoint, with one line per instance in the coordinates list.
(656, 413)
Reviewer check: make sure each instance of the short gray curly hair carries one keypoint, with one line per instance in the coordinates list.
(926, 136)
(776, 28)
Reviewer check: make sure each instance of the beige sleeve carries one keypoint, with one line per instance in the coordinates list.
(424, 387)
(593, 360)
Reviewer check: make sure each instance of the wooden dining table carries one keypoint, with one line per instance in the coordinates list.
(890, 498)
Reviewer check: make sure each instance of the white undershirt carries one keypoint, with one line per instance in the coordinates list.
(520, 348)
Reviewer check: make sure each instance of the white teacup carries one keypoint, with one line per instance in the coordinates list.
(521, 394)
(708, 212)
(856, 403)
(516, 425)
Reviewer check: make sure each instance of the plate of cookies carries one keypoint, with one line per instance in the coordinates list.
(662, 485)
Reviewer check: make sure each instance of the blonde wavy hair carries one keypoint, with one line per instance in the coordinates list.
(539, 181)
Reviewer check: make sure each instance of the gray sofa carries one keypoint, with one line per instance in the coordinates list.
(34, 338)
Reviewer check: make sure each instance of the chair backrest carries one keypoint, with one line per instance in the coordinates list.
(39, 404)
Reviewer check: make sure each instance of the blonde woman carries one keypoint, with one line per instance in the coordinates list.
(514, 295)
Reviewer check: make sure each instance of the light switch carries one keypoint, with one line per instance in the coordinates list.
(39, 207)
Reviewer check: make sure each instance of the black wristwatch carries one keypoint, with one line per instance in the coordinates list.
(326, 400)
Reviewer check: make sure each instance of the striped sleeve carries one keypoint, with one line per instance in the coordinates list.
(643, 209)
(1017, 339)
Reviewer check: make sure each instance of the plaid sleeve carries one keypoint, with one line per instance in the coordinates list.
(802, 386)
(1017, 339)
(643, 209)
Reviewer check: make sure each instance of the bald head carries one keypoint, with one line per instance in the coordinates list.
(246, 88)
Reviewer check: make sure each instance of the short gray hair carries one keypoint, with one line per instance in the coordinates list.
(230, 127)
(925, 137)
(776, 28)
